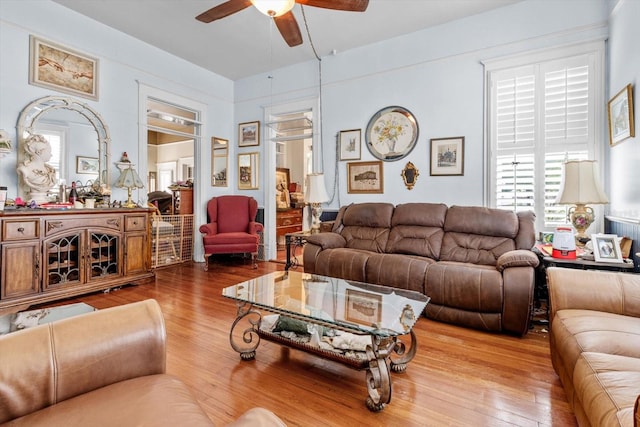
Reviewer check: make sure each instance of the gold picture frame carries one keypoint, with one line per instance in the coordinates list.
(249, 134)
(57, 67)
(365, 177)
(219, 162)
(350, 144)
(248, 171)
(620, 114)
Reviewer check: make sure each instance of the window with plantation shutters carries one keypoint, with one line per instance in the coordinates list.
(540, 115)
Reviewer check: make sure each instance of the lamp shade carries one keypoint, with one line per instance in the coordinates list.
(581, 184)
(274, 8)
(316, 191)
(129, 179)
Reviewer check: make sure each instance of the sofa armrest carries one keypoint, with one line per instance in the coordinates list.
(47, 364)
(211, 228)
(607, 291)
(327, 240)
(517, 258)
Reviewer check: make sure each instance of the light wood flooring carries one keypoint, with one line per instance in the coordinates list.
(460, 377)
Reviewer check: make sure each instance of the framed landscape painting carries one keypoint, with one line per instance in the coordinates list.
(249, 134)
(59, 68)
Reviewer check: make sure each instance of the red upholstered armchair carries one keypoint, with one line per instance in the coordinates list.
(231, 227)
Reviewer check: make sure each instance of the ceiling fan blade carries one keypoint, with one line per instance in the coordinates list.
(348, 5)
(223, 10)
(288, 27)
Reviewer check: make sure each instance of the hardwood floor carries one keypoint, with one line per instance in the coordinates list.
(460, 377)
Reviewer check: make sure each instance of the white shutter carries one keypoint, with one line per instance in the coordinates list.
(515, 110)
(515, 182)
(541, 115)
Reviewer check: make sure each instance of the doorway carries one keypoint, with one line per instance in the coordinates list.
(169, 153)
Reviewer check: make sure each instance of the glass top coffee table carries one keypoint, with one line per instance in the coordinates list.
(357, 324)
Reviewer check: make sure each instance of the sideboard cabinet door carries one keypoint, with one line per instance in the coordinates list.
(20, 269)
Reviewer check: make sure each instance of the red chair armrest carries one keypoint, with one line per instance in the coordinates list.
(209, 228)
(255, 227)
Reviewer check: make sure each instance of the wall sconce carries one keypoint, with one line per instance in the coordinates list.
(315, 195)
(581, 186)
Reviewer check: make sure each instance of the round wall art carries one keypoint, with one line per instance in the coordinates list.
(391, 133)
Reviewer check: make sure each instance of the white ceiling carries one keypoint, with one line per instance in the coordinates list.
(246, 43)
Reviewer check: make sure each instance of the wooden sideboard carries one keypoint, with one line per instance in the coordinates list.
(46, 255)
(287, 221)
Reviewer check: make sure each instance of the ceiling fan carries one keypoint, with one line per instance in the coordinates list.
(280, 11)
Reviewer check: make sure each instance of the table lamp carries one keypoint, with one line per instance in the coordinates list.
(315, 195)
(129, 179)
(581, 186)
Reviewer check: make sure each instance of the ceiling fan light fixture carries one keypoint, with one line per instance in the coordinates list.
(274, 8)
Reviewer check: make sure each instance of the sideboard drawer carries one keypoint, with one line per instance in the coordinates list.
(20, 230)
(135, 223)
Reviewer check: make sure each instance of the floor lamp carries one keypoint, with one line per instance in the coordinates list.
(315, 195)
(580, 187)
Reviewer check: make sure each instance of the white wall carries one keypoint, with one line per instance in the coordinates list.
(438, 75)
(124, 61)
(624, 68)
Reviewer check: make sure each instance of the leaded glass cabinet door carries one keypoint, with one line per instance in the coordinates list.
(63, 260)
(104, 258)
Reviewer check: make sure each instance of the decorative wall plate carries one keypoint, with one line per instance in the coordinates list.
(391, 133)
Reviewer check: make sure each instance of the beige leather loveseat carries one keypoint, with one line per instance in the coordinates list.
(105, 368)
(595, 343)
(475, 263)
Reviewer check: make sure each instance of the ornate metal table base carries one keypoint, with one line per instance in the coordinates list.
(384, 355)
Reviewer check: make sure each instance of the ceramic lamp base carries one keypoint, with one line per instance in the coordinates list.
(581, 218)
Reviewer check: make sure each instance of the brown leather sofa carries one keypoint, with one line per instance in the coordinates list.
(475, 263)
(105, 368)
(595, 343)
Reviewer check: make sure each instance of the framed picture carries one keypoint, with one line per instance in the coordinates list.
(363, 308)
(248, 171)
(248, 134)
(447, 156)
(365, 177)
(283, 200)
(59, 68)
(391, 133)
(87, 165)
(606, 248)
(620, 112)
(350, 142)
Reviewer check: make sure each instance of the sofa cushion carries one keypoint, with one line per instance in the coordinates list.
(366, 226)
(482, 221)
(576, 331)
(153, 400)
(607, 387)
(465, 286)
(398, 271)
(417, 229)
(347, 264)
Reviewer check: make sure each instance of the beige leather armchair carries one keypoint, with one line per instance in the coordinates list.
(105, 368)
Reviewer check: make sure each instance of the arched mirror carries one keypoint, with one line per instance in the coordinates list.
(87, 155)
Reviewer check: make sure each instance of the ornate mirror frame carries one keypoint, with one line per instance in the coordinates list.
(28, 120)
(410, 175)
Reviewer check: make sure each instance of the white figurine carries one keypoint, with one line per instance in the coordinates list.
(39, 176)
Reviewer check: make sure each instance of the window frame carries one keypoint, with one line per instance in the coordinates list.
(596, 53)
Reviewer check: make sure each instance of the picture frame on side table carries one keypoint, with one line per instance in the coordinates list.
(57, 67)
(363, 308)
(365, 177)
(350, 144)
(87, 165)
(606, 248)
(620, 113)
(249, 134)
(447, 156)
